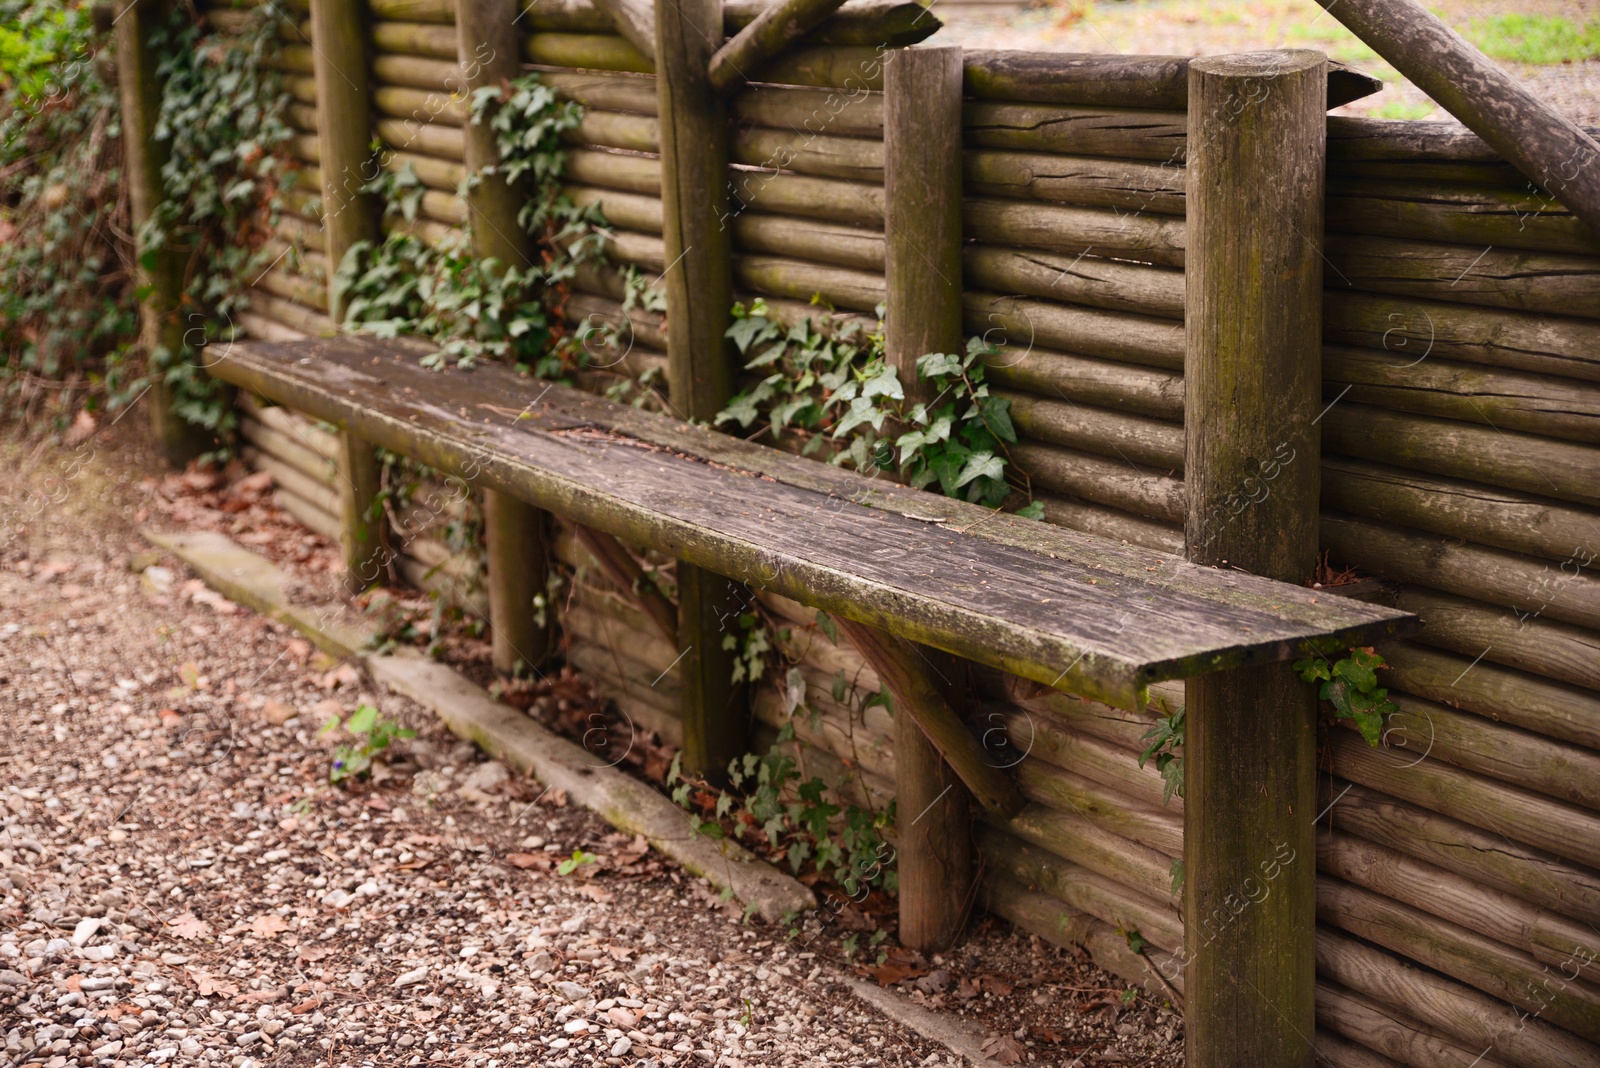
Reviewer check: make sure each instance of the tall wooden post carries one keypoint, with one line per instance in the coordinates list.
(344, 123)
(922, 232)
(160, 272)
(1252, 382)
(514, 532)
(700, 365)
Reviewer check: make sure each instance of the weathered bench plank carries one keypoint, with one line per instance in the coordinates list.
(1067, 609)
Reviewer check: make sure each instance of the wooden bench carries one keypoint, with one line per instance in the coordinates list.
(1078, 612)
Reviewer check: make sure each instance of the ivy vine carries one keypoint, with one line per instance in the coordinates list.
(221, 121)
(830, 383)
(473, 308)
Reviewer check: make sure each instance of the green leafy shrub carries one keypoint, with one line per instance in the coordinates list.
(66, 307)
(1350, 686)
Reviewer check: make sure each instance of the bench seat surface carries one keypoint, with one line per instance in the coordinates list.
(1080, 612)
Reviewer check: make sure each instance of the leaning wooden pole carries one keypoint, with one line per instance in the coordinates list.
(1252, 384)
(349, 216)
(515, 533)
(159, 271)
(769, 33)
(700, 365)
(922, 231)
(1544, 144)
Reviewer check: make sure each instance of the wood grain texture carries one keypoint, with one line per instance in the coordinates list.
(1252, 382)
(775, 28)
(1053, 600)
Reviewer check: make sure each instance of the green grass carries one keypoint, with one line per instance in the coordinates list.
(1334, 39)
(1400, 109)
(1537, 39)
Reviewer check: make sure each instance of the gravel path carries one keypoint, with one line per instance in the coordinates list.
(179, 884)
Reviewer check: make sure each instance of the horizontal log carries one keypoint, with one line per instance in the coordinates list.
(291, 424)
(1506, 519)
(1116, 782)
(287, 284)
(306, 320)
(1077, 131)
(1453, 1008)
(1535, 876)
(629, 211)
(1112, 81)
(820, 242)
(1536, 281)
(1392, 1032)
(1091, 281)
(432, 581)
(1152, 442)
(1562, 829)
(1081, 840)
(440, 12)
(1021, 323)
(1501, 917)
(421, 138)
(585, 51)
(1126, 387)
(1547, 405)
(643, 710)
(443, 175)
(817, 198)
(1061, 789)
(1460, 954)
(854, 159)
(1119, 727)
(291, 450)
(812, 112)
(1503, 339)
(639, 335)
(1337, 1051)
(1527, 585)
(1110, 523)
(624, 570)
(308, 514)
(1084, 181)
(1077, 231)
(1504, 218)
(289, 477)
(260, 328)
(415, 39)
(1043, 915)
(1558, 651)
(1501, 694)
(419, 105)
(630, 639)
(419, 72)
(812, 752)
(1117, 483)
(301, 117)
(1082, 890)
(1560, 469)
(796, 280)
(860, 22)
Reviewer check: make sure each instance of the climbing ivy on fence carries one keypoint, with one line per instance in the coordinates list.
(221, 125)
(828, 381)
(474, 308)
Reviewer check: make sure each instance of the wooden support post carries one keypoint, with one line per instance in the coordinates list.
(1253, 385)
(922, 197)
(922, 229)
(344, 122)
(161, 272)
(700, 365)
(363, 530)
(515, 533)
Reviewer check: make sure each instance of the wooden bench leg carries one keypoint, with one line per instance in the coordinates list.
(363, 530)
(716, 712)
(1253, 382)
(517, 546)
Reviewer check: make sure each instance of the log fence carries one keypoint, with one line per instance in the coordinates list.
(1446, 904)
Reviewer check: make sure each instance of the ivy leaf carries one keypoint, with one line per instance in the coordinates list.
(828, 626)
(885, 383)
(997, 415)
(747, 331)
(981, 465)
(1034, 510)
(936, 364)
(1312, 669)
(862, 410)
(1360, 668)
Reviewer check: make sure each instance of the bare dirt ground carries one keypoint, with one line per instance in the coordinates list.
(180, 884)
(1207, 27)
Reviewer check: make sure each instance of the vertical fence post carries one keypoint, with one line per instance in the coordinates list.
(700, 367)
(1252, 383)
(344, 122)
(161, 271)
(514, 531)
(922, 234)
